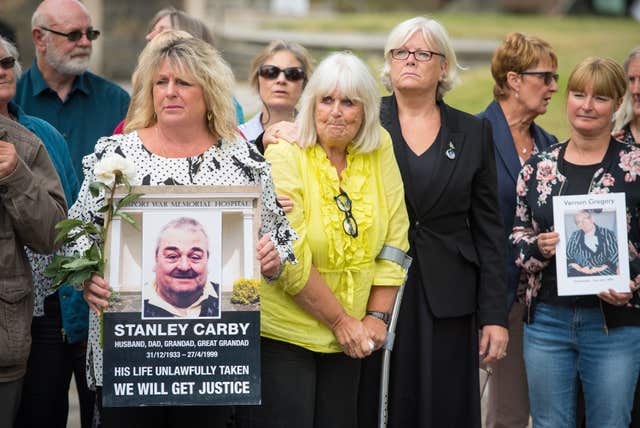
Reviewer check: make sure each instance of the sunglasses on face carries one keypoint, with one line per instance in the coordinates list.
(349, 225)
(75, 35)
(292, 74)
(7, 62)
(419, 55)
(547, 76)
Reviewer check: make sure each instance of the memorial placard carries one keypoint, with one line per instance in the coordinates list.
(592, 255)
(185, 325)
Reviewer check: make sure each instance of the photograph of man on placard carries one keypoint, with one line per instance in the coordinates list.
(592, 245)
(179, 284)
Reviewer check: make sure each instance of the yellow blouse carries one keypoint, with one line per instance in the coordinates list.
(347, 264)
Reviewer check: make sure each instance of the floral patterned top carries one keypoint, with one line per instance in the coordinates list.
(228, 163)
(540, 179)
(627, 136)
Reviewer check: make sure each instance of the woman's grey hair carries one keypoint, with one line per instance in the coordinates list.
(436, 37)
(349, 75)
(624, 115)
(11, 50)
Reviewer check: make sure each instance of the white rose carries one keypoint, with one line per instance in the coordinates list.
(105, 170)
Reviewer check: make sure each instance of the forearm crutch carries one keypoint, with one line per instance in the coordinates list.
(398, 256)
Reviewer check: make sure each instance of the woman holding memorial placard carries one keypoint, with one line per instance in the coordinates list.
(591, 339)
(180, 130)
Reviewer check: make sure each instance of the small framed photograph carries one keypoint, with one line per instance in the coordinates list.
(592, 254)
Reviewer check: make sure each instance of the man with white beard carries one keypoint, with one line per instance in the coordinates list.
(82, 107)
(59, 88)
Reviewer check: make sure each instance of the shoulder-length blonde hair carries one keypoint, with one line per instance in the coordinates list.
(604, 75)
(195, 59)
(436, 37)
(349, 75)
(624, 115)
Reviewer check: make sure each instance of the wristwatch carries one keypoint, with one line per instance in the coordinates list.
(383, 316)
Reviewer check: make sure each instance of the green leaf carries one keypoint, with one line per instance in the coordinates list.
(60, 278)
(55, 265)
(126, 217)
(79, 277)
(66, 226)
(123, 180)
(104, 208)
(95, 188)
(127, 200)
(69, 223)
(79, 263)
(94, 252)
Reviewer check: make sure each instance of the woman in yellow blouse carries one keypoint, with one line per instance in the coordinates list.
(324, 314)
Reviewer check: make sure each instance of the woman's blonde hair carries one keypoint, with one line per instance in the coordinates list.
(604, 75)
(517, 52)
(195, 59)
(349, 75)
(625, 114)
(434, 36)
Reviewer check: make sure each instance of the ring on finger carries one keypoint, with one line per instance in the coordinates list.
(371, 345)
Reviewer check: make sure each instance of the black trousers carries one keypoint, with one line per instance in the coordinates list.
(10, 393)
(304, 389)
(52, 361)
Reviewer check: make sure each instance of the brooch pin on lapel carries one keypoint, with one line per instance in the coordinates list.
(451, 151)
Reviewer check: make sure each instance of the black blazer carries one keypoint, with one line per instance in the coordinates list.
(456, 233)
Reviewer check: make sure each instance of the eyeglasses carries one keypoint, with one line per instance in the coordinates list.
(545, 75)
(75, 35)
(271, 72)
(349, 224)
(7, 62)
(419, 55)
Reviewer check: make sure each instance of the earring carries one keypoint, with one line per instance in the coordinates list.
(209, 116)
(517, 94)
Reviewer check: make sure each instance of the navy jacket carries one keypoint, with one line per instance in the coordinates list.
(508, 167)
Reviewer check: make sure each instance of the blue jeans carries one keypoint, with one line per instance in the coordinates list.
(566, 344)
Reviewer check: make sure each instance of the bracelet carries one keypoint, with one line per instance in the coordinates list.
(382, 316)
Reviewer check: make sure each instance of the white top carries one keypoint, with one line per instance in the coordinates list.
(252, 128)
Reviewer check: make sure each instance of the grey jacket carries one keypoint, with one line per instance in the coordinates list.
(31, 203)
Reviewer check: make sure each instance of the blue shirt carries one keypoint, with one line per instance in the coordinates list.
(93, 108)
(56, 148)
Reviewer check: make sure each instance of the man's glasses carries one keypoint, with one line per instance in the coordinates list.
(292, 74)
(419, 55)
(7, 62)
(547, 76)
(75, 35)
(349, 224)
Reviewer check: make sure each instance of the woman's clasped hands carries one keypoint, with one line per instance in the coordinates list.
(359, 338)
